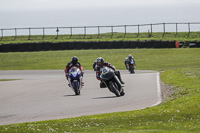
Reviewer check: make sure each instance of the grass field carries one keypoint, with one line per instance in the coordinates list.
(146, 59)
(168, 36)
(178, 113)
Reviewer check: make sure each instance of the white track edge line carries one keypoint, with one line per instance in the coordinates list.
(159, 94)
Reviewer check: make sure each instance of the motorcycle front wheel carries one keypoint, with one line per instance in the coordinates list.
(76, 88)
(131, 69)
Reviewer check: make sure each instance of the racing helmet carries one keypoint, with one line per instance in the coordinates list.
(100, 61)
(74, 60)
(130, 56)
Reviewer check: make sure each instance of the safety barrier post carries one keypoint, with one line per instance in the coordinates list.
(138, 30)
(15, 33)
(43, 33)
(84, 32)
(188, 29)
(70, 32)
(29, 37)
(98, 32)
(111, 31)
(163, 29)
(1, 34)
(124, 30)
(57, 30)
(176, 29)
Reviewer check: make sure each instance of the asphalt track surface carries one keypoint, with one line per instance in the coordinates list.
(44, 95)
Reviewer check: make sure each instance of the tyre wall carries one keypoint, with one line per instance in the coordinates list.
(46, 46)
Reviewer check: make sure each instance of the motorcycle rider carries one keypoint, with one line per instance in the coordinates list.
(74, 63)
(128, 59)
(98, 64)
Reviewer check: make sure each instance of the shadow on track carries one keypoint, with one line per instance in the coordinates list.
(105, 97)
(73, 95)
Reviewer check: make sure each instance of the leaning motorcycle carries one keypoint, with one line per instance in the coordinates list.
(75, 80)
(111, 81)
(131, 66)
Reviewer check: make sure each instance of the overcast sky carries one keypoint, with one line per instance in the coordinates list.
(50, 5)
(37, 13)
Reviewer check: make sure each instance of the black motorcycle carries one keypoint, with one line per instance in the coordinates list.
(130, 65)
(111, 81)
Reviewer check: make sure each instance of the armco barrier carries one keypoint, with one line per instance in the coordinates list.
(45, 46)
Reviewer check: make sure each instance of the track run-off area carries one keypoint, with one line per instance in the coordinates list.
(39, 95)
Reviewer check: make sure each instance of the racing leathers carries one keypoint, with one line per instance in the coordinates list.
(97, 69)
(70, 65)
(127, 60)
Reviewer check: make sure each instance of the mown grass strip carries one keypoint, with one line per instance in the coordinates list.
(178, 113)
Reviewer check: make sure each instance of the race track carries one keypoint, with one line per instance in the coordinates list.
(44, 95)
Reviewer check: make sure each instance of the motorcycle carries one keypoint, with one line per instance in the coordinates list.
(131, 66)
(111, 81)
(75, 80)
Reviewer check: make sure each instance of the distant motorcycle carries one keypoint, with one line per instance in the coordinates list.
(131, 66)
(75, 80)
(111, 81)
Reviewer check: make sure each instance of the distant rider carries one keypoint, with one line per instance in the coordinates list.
(98, 64)
(128, 59)
(73, 63)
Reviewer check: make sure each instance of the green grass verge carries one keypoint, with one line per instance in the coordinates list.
(168, 36)
(178, 113)
(8, 79)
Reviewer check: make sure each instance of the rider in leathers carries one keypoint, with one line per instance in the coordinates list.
(100, 63)
(73, 63)
(128, 59)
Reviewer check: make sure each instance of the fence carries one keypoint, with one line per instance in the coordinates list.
(98, 30)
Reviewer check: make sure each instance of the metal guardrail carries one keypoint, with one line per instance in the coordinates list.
(98, 29)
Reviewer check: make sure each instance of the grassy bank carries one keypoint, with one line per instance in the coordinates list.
(168, 36)
(146, 59)
(179, 113)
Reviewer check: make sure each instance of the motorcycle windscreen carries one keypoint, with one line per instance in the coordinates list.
(107, 76)
(74, 75)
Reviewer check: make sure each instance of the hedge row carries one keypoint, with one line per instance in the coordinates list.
(45, 46)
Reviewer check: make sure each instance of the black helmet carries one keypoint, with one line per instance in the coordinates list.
(130, 56)
(74, 60)
(100, 61)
